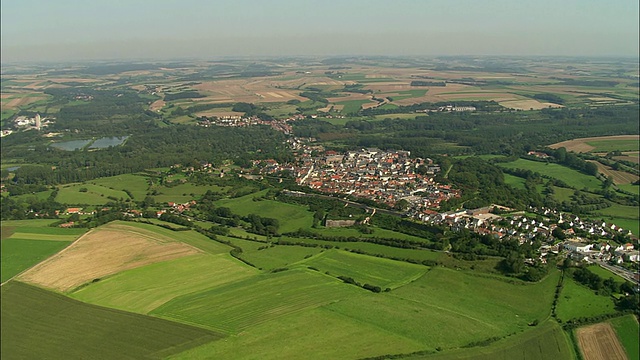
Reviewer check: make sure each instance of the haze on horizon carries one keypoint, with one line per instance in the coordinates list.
(63, 30)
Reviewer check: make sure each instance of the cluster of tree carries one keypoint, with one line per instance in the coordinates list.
(176, 219)
(573, 161)
(597, 283)
(191, 94)
(30, 207)
(252, 110)
(427, 83)
(372, 288)
(553, 98)
(262, 225)
(316, 96)
(356, 88)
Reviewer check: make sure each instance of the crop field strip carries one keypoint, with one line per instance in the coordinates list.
(628, 332)
(105, 251)
(73, 329)
(143, 289)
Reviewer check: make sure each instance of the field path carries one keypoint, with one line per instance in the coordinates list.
(47, 259)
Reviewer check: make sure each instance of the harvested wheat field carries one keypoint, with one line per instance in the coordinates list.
(105, 251)
(599, 342)
(619, 177)
(528, 104)
(580, 145)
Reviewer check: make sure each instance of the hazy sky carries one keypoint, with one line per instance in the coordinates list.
(125, 29)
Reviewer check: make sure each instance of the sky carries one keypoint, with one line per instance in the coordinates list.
(68, 30)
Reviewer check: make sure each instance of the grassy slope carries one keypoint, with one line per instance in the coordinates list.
(579, 301)
(136, 184)
(95, 195)
(37, 324)
(572, 177)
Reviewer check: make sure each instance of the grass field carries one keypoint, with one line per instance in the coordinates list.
(366, 269)
(515, 181)
(626, 217)
(144, 289)
(37, 324)
(274, 257)
(626, 328)
(136, 184)
(180, 193)
(579, 301)
(311, 334)
(572, 177)
(352, 106)
(228, 308)
(482, 307)
(95, 194)
(27, 242)
(605, 274)
(291, 217)
(546, 341)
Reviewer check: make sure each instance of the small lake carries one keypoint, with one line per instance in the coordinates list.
(105, 142)
(71, 145)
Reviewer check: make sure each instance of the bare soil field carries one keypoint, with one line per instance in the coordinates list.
(528, 104)
(102, 252)
(580, 145)
(599, 342)
(219, 112)
(157, 105)
(629, 156)
(619, 177)
(245, 91)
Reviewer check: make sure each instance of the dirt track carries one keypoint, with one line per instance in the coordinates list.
(600, 342)
(103, 252)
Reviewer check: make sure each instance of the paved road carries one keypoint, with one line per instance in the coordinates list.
(626, 274)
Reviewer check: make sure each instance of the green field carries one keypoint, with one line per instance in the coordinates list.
(605, 274)
(38, 324)
(276, 256)
(613, 145)
(624, 216)
(291, 217)
(180, 193)
(482, 307)
(136, 184)
(19, 254)
(146, 288)
(572, 177)
(310, 334)
(27, 242)
(627, 329)
(352, 106)
(579, 301)
(95, 194)
(515, 181)
(240, 305)
(546, 341)
(366, 269)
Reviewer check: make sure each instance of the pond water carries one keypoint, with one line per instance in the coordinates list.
(71, 145)
(105, 142)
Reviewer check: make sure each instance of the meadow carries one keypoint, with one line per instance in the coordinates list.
(75, 330)
(626, 328)
(613, 145)
(291, 217)
(227, 308)
(579, 301)
(134, 183)
(95, 194)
